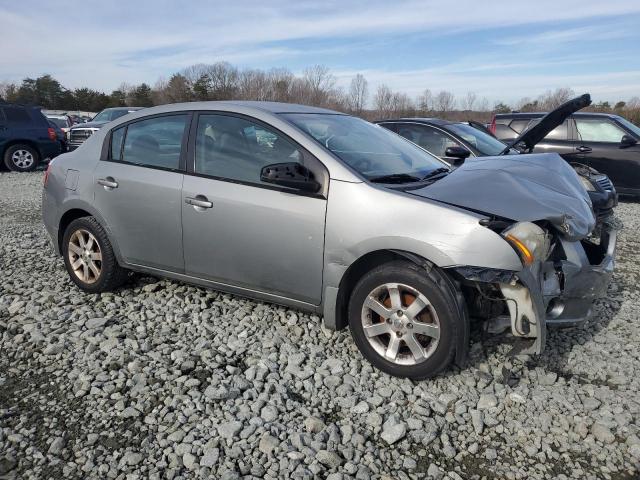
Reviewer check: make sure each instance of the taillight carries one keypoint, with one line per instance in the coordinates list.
(46, 173)
(52, 133)
(492, 127)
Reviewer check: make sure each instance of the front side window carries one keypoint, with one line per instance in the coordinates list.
(237, 149)
(598, 130)
(634, 128)
(371, 150)
(155, 142)
(481, 141)
(428, 138)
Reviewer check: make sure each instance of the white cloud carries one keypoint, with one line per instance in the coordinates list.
(101, 44)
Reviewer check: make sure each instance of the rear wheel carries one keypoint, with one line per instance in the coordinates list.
(21, 158)
(403, 320)
(89, 258)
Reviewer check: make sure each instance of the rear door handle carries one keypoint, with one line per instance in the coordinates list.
(200, 201)
(108, 183)
(584, 149)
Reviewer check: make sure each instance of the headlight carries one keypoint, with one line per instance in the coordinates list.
(588, 185)
(529, 240)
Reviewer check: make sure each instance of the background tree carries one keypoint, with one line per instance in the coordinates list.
(358, 94)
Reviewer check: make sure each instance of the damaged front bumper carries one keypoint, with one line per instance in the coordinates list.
(557, 292)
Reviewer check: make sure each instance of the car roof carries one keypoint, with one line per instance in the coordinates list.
(525, 115)
(270, 107)
(425, 120)
(129, 109)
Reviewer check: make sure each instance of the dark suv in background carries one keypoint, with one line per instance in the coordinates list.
(26, 137)
(79, 133)
(607, 143)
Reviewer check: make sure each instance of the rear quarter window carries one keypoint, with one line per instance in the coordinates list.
(16, 115)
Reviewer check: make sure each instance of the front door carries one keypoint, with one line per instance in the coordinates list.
(243, 232)
(599, 144)
(138, 191)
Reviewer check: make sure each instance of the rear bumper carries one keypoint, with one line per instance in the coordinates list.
(50, 149)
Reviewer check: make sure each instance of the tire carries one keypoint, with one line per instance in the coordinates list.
(21, 158)
(107, 274)
(432, 332)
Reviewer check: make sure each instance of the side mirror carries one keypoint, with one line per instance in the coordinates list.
(291, 175)
(459, 154)
(627, 141)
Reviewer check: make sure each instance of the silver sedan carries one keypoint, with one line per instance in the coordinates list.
(328, 213)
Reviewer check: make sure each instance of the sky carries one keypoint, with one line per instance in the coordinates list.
(500, 50)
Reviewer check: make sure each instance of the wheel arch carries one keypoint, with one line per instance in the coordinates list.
(79, 210)
(370, 260)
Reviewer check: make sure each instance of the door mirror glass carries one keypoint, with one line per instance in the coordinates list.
(291, 175)
(628, 141)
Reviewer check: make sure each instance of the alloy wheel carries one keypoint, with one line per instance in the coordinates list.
(85, 256)
(400, 324)
(22, 158)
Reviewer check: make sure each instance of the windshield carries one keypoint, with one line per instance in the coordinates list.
(108, 115)
(369, 149)
(481, 141)
(634, 128)
(60, 122)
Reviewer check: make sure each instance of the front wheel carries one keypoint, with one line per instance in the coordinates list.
(89, 258)
(21, 158)
(403, 320)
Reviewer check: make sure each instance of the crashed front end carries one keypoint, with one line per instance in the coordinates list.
(541, 209)
(557, 286)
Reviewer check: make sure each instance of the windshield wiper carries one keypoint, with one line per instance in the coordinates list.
(395, 178)
(438, 172)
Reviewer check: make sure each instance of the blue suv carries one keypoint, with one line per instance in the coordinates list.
(26, 137)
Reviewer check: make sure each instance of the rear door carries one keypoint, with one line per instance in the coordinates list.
(138, 190)
(598, 144)
(240, 231)
(559, 140)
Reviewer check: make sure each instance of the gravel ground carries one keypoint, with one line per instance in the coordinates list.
(165, 380)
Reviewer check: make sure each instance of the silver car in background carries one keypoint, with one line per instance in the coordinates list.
(328, 213)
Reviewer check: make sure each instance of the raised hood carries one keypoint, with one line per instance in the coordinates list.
(540, 186)
(531, 137)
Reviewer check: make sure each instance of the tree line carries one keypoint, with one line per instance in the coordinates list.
(315, 86)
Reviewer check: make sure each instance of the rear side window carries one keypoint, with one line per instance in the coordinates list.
(519, 125)
(117, 136)
(561, 132)
(16, 115)
(156, 142)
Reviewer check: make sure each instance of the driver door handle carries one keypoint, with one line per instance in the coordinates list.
(584, 149)
(198, 201)
(108, 183)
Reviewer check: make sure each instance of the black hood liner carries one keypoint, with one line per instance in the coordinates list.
(527, 188)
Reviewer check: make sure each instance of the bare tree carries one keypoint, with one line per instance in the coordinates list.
(382, 100)
(253, 85)
(469, 101)
(317, 85)
(484, 105)
(358, 94)
(425, 101)
(444, 102)
(280, 85)
(553, 99)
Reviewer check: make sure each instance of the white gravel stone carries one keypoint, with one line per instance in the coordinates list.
(185, 382)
